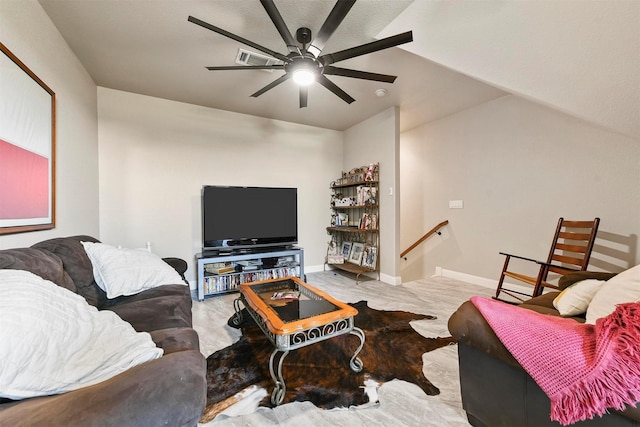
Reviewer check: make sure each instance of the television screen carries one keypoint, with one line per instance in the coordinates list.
(246, 217)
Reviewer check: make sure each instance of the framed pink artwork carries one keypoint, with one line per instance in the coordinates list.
(27, 148)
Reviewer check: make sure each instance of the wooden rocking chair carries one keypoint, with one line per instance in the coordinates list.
(570, 251)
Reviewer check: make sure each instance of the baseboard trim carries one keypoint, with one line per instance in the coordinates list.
(313, 268)
(477, 280)
(390, 280)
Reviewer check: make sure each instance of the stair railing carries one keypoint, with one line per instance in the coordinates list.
(434, 230)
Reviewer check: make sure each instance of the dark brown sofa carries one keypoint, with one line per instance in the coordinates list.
(496, 390)
(170, 390)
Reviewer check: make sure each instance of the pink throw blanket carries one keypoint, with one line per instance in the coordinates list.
(584, 369)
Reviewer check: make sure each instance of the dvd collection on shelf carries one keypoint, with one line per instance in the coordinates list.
(221, 283)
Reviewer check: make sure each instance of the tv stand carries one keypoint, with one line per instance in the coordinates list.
(221, 272)
(242, 251)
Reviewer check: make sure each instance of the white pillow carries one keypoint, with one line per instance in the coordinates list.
(121, 271)
(621, 288)
(52, 341)
(575, 299)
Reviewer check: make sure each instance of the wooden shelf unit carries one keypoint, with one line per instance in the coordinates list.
(355, 218)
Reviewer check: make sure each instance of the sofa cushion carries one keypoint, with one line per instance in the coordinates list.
(543, 304)
(571, 278)
(40, 263)
(623, 287)
(545, 300)
(120, 271)
(77, 264)
(163, 307)
(52, 341)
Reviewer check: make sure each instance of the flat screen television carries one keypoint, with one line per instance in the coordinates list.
(236, 218)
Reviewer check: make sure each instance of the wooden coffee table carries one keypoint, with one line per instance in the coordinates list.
(308, 316)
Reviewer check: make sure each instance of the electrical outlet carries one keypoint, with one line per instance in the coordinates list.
(456, 204)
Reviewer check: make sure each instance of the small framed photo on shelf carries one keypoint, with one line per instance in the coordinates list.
(346, 249)
(342, 219)
(370, 257)
(332, 249)
(357, 250)
(372, 222)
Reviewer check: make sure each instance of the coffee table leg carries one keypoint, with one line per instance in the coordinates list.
(236, 305)
(355, 363)
(277, 396)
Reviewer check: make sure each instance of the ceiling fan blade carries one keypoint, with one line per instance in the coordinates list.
(364, 49)
(282, 28)
(344, 72)
(304, 95)
(238, 38)
(271, 85)
(332, 22)
(246, 67)
(335, 89)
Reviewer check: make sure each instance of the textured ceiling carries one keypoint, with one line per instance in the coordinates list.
(149, 47)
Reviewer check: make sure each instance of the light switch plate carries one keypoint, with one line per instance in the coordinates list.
(456, 204)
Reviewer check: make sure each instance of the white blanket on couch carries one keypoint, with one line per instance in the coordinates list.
(52, 341)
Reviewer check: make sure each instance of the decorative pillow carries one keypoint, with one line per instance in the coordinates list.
(575, 299)
(52, 341)
(621, 288)
(121, 271)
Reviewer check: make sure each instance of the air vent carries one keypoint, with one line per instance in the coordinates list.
(245, 57)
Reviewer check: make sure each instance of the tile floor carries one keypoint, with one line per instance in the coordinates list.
(401, 403)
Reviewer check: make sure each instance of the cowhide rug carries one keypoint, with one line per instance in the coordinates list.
(320, 372)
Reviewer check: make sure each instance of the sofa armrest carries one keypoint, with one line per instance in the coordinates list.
(178, 265)
(172, 340)
(571, 278)
(468, 326)
(170, 391)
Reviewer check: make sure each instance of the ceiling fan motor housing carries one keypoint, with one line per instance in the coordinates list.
(303, 35)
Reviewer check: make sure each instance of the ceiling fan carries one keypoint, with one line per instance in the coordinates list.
(304, 62)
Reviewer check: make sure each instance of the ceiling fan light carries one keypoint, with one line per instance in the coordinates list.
(304, 76)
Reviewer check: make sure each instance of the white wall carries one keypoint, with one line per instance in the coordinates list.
(155, 156)
(377, 140)
(518, 167)
(30, 35)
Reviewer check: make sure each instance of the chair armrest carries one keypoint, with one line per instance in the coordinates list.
(519, 257)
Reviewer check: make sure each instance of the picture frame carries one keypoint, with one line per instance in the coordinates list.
(357, 250)
(356, 177)
(370, 257)
(342, 219)
(334, 256)
(346, 250)
(27, 148)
